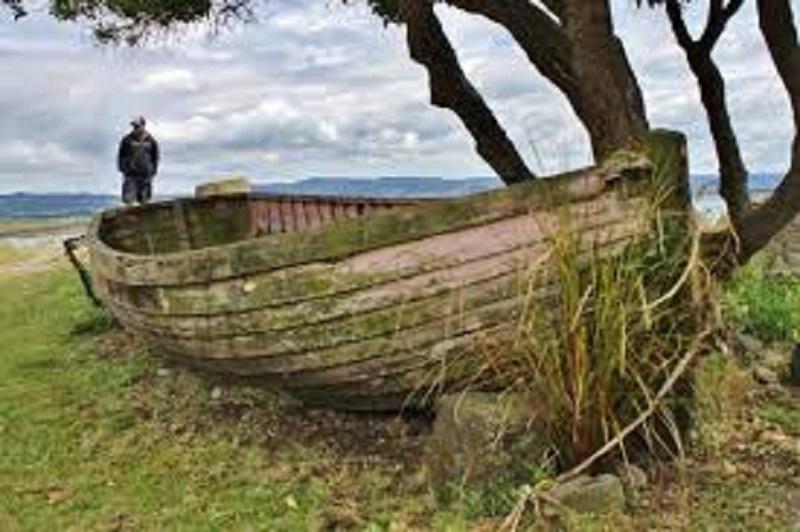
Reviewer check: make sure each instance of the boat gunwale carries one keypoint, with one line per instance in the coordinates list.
(167, 260)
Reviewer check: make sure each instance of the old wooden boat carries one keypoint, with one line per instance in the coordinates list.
(347, 302)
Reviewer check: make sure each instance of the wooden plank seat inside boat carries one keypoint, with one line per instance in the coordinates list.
(355, 304)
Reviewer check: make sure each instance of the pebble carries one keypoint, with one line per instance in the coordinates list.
(728, 469)
(633, 476)
(773, 437)
(764, 375)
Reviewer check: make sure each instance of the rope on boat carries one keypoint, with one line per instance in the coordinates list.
(71, 245)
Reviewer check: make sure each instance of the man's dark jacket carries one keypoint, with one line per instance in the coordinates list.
(129, 144)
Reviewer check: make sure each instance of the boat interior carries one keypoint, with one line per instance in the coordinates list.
(187, 224)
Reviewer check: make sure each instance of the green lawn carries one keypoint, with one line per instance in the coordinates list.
(98, 443)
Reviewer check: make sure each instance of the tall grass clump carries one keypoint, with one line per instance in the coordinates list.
(601, 337)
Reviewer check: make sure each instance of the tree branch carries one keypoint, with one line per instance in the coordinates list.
(679, 29)
(718, 18)
(16, 7)
(539, 36)
(732, 170)
(450, 88)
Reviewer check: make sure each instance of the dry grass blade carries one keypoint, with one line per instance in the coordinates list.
(680, 369)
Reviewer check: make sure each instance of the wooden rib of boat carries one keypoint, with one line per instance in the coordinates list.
(346, 302)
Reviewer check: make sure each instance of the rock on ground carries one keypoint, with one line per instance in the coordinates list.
(750, 347)
(480, 440)
(585, 494)
(764, 375)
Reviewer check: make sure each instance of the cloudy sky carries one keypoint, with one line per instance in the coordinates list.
(319, 89)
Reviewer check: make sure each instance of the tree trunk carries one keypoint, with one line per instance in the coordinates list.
(582, 57)
(449, 87)
(759, 226)
(733, 174)
(732, 170)
(610, 102)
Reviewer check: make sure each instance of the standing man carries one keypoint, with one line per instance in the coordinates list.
(138, 159)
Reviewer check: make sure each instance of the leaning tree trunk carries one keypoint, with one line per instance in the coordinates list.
(450, 88)
(760, 225)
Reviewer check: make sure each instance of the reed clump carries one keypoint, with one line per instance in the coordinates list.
(606, 349)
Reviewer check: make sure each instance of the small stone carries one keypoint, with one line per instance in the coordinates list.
(632, 476)
(765, 375)
(291, 502)
(774, 391)
(341, 518)
(163, 372)
(249, 287)
(585, 494)
(56, 495)
(728, 469)
(751, 346)
(773, 437)
(216, 393)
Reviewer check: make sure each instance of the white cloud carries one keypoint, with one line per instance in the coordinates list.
(168, 80)
(27, 155)
(196, 129)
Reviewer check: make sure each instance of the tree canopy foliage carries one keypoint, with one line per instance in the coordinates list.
(131, 20)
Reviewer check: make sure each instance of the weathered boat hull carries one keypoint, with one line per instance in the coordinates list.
(350, 303)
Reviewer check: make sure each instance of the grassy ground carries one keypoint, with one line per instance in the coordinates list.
(34, 244)
(95, 437)
(96, 434)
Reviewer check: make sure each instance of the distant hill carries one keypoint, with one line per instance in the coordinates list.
(24, 205)
(703, 184)
(53, 205)
(384, 187)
